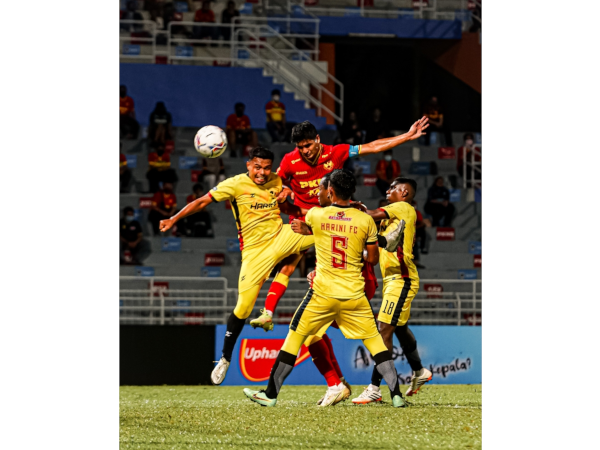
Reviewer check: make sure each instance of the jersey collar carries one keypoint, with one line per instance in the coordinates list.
(341, 206)
(313, 163)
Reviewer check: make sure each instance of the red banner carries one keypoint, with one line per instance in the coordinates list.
(473, 319)
(214, 259)
(431, 289)
(444, 234)
(476, 260)
(446, 153)
(160, 286)
(257, 357)
(145, 202)
(369, 180)
(194, 318)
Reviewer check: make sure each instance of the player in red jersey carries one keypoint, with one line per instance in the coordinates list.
(301, 170)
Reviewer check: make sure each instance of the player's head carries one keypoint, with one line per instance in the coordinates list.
(305, 136)
(168, 187)
(439, 182)
(275, 95)
(342, 185)
(402, 190)
(259, 165)
(239, 109)
(324, 199)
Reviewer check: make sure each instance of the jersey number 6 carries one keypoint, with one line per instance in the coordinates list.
(338, 257)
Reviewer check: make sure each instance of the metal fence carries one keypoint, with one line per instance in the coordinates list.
(197, 301)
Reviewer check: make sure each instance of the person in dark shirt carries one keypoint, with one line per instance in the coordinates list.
(134, 248)
(434, 112)
(160, 129)
(227, 16)
(438, 203)
(351, 132)
(420, 242)
(376, 128)
(199, 224)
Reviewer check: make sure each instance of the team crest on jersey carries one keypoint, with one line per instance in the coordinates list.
(328, 165)
(340, 215)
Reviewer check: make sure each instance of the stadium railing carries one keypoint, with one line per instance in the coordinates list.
(197, 300)
(475, 180)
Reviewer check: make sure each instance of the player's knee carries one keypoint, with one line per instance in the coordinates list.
(293, 342)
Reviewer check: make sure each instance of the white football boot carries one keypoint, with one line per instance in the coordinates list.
(218, 374)
(334, 395)
(419, 378)
(369, 395)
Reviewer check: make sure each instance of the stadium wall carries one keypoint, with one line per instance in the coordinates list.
(403, 28)
(201, 95)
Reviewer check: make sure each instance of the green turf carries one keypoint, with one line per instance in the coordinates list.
(182, 417)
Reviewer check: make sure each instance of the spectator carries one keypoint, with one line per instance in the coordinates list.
(276, 117)
(205, 15)
(350, 131)
(239, 130)
(213, 171)
(438, 203)
(160, 129)
(129, 127)
(164, 204)
(468, 147)
(227, 17)
(387, 170)
(160, 170)
(134, 248)
(420, 236)
(199, 224)
(124, 174)
(131, 13)
(376, 128)
(434, 111)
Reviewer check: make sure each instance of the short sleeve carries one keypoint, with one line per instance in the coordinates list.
(283, 169)
(372, 232)
(309, 216)
(229, 123)
(225, 190)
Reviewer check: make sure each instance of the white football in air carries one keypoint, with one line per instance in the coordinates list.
(210, 141)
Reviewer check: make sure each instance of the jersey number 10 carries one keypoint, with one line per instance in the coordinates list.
(338, 246)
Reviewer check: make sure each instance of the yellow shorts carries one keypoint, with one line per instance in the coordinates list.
(354, 317)
(258, 261)
(397, 297)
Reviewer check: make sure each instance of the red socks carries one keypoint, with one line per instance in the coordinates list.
(276, 291)
(321, 357)
(332, 357)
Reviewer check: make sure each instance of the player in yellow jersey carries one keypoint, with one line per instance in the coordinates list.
(264, 239)
(400, 285)
(341, 234)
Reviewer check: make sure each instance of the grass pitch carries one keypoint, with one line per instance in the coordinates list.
(207, 417)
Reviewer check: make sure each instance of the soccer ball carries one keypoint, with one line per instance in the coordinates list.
(210, 141)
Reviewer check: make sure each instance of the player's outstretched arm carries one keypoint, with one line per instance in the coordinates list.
(290, 210)
(376, 214)
(372, 253)
(381, 145)
(301, 227)
(192, 208)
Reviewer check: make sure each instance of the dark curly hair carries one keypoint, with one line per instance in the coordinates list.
(303, 131)
(343, 183)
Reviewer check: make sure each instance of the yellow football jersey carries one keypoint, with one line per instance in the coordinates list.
(341, 234)
(400, 263)
(254, 206)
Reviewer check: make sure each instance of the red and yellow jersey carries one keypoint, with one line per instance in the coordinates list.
(238, 123)
(122, 160)
(164, 201)
(254, 207)
(304, 178)
(204, 16)
(125, 105)
(159, 162)
(276, 111)
(341, 234)
(400, 263)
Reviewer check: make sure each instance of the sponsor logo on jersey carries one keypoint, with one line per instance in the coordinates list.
(301, 173)
(341, 215)
(263, 205)
(258, 355)
(325, 156)
(328, 165)
(311, 183)
(296, 160)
